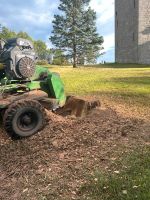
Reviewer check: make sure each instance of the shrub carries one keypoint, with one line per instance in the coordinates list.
(42, 62)
(1, 65)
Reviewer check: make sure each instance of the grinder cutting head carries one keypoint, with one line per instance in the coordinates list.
(19, 57)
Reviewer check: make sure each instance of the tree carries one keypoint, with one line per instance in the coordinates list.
(59, 58)
(24, 35)
(40, 46)
(41, 49)
(92, 42)
(6, 33)
(74, 31)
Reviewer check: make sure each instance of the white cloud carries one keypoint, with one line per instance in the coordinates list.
(40, 2)
(105, 15)
(109, 42)
(104, 10)
(42, 14)
(35, 18)
(46, 4)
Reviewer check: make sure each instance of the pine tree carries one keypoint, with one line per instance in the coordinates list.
(74, 31)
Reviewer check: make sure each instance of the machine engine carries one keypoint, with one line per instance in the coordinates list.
(18, 58)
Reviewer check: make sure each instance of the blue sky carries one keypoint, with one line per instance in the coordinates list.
(35, 16)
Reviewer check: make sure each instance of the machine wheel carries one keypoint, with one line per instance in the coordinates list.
(24, 118)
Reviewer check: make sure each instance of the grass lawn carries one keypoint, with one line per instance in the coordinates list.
(128, 179)
(104, 156)
(124, 85)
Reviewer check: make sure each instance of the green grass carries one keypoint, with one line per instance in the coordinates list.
(131, 85)
(128, 84)
(131, 182)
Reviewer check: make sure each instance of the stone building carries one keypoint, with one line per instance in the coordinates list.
(132, 31)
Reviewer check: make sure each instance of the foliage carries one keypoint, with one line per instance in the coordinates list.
(59, 58)
(40, 46)
(24, 35)
(74, 31)
(1, 65)
(41, 49)
(6, 33)
(42, 62)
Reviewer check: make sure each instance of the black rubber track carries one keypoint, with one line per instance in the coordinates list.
(14, 108)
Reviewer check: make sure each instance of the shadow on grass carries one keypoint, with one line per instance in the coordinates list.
(107, 65)
(131, 98)
(122, 94)
(133, 80)
(118, 65)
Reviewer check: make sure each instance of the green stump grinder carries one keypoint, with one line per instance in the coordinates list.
(26, 89)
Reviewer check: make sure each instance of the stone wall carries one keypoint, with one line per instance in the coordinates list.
(126, 38)
(144, 32)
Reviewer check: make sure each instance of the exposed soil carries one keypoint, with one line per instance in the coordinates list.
(54, 163)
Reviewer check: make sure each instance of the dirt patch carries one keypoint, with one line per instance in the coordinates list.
(54, 163)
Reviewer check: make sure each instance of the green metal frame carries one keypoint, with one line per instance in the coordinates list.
(52, 85)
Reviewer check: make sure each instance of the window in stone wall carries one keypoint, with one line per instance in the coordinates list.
(117, 44)
(117, 23)
(133, 36)
(134, 3)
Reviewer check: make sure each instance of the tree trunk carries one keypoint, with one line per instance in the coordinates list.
(74, 62)
(74, 65)
(74, 56)
(74, 41)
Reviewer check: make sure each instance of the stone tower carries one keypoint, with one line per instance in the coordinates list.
(132, 31)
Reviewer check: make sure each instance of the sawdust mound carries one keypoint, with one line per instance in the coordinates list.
(55, 162)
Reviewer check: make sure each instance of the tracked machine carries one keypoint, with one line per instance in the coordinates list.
(26, 89)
